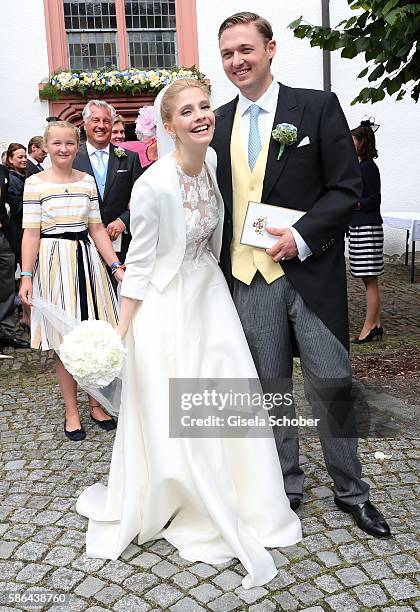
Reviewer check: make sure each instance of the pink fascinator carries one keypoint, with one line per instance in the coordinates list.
(146, 123)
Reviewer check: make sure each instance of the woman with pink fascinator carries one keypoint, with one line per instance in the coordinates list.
(146, 148)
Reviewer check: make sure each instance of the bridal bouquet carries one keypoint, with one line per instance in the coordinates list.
(93, 353)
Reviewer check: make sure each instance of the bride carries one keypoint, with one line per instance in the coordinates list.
(212, 498)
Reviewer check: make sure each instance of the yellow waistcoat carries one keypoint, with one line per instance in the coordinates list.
(247, 186)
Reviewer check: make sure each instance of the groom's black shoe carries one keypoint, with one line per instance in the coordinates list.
(14, 343)
(367, 518)
(294, 504)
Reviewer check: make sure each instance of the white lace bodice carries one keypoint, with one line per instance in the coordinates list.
(200, 209)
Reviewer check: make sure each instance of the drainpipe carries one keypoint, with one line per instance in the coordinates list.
(326, 55)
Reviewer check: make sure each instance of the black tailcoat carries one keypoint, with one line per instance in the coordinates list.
(322, 178)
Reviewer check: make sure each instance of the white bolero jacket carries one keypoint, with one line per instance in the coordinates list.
(157, 226)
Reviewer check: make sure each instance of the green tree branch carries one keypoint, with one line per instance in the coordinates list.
(387, 32)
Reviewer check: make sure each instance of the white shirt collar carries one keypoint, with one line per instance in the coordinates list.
(267, 102)
(91, 150)
(31, 159)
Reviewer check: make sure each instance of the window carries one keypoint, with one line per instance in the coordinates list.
(91, 27)
(151, 29)
(92, 31)
(127, 33)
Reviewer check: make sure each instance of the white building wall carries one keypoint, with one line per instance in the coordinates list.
(23, 64)
(299, 65)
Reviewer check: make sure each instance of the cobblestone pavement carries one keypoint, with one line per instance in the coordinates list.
(335, 567)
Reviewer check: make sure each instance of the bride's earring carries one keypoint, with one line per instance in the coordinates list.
(173, 136)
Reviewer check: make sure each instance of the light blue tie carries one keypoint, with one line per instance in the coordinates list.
(254, 140)
(101, 171)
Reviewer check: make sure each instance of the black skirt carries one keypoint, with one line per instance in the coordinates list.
(366, 250)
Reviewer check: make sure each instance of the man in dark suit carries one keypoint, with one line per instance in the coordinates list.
(36, 155)
(115, 171)
(7, 274)
(302, 299)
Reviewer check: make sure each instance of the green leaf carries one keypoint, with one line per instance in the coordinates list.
(377, 95)
(414, 93)
(360, 4)
(294, 24)
(331, 44)
(364, 94)
(349, 52)
(362, 44)
(362, 19)
(393, 85)
(393, 64)
(350, 22)
(377, 73)
(404, 49)
(392, 17)
(363, 73)
(389, 5)
(372, 53)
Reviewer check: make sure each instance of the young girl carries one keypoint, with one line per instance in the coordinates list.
(213, 498)
(366, 236)
(60, 261)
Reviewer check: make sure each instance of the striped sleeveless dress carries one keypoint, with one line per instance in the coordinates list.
(56, 208)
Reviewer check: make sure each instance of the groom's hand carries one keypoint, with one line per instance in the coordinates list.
(285, 248)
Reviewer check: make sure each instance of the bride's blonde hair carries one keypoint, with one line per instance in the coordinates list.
(166, 106)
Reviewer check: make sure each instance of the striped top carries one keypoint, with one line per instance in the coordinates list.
(55, 208)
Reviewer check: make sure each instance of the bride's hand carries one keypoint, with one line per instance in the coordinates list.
(121, 331)
(127, 310)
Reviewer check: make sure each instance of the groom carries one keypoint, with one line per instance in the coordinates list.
(296, 291)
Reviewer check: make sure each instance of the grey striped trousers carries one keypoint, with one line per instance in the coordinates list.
(267, 312)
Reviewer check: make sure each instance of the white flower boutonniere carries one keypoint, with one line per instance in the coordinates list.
(285, 134)
(119, 152)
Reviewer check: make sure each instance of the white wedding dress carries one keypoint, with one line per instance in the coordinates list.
(212, 498)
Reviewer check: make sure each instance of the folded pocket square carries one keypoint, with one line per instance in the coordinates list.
(122, 170)
(304, 141)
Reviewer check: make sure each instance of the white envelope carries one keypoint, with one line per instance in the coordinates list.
(259, 216)
(304, 141)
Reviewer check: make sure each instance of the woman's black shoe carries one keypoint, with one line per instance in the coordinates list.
(107, 425)
(375, 333)
(75, 436)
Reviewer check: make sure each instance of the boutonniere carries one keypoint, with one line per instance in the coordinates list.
(119, 152)
(285, 134)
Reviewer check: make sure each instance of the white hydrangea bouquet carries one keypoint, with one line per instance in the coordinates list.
(93, 353)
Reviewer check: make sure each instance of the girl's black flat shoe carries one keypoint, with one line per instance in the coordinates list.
(75, 436)
(375, 333)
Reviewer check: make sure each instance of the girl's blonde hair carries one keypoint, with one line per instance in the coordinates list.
(62, 124)
(167, 104)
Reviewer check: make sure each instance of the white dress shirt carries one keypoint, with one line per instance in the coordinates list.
(268, 104)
